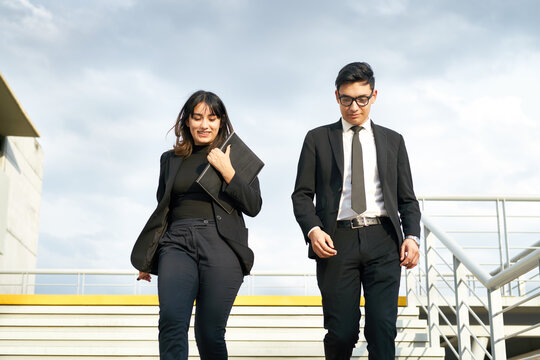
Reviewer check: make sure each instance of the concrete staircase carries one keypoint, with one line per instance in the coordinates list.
(122, 332)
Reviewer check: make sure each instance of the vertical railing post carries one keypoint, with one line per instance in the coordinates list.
(496, 324)
(462, 313)
(432, 294)
(24, 281)
(410, 279)
(506, 245)
(500, 235)
(522, 286)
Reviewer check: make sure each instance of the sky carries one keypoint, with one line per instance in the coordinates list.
(103, 81)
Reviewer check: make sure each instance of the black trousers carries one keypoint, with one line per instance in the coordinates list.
(195, 263)
(367, 257)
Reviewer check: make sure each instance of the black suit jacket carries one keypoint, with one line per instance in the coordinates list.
(320, 176)
(246, 198)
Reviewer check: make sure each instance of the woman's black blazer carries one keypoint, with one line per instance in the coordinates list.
(245, 196)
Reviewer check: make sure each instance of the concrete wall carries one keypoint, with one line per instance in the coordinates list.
(21, 177)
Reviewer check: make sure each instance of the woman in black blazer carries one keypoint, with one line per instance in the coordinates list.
(198, 249)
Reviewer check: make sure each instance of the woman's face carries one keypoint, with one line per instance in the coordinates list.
(203, 124)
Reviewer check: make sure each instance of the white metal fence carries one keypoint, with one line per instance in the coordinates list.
(481, 251)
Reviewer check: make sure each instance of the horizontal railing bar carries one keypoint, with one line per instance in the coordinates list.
(523, 198)
(476, 215)
(523, 216)
(122, 272)
(471, 232)
(462, 215)
(530, 291)
(489, 232)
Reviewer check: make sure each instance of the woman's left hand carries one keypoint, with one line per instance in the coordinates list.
(222, 162)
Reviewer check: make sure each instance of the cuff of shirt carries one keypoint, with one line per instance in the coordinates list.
(313, 228)
(415, 238)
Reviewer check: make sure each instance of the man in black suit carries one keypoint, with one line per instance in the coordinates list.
(359, 174)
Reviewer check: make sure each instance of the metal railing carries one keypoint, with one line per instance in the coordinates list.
(110, 282)
(454, 275)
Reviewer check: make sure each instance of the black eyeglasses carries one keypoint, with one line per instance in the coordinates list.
(361, 100)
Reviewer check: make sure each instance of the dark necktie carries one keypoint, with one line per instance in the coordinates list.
(358, 191)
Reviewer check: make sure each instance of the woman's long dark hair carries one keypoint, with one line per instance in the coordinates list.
(184, 140)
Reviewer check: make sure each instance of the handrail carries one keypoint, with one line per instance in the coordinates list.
(525, 265)
(457, 250)
(519, 256)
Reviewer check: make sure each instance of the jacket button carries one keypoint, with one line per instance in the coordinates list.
(218, 217)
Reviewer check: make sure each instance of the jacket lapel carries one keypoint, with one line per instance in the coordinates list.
(335, 135)
(380, 146)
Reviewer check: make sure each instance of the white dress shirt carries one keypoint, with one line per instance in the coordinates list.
(374, 196)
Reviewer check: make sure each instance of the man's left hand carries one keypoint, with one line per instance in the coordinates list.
(409, 253)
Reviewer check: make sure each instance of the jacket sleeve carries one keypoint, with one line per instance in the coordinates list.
(304, 189)
(163, 170)
(246, 196)
(409, 210)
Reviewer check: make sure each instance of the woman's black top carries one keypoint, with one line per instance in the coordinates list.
(188, 199)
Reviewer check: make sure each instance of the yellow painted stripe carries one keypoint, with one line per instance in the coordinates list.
(78, 299)
(242, 300)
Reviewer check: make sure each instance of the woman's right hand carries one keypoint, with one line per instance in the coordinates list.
(222, 162)
(144, 276)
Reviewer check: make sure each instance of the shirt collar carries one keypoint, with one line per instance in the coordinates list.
(347, 126)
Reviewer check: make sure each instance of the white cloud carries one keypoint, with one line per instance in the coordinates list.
(471, 131)
(27, 20)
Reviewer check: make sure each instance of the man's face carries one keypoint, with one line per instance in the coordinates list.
(355, 114)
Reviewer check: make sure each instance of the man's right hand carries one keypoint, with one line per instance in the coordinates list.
(321, 243)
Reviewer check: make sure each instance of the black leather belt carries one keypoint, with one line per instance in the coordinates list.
(359, 221)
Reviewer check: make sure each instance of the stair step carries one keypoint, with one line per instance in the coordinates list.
(241, 349)
(266, 321)
(154, 310)
(71, 334)
(107, 332)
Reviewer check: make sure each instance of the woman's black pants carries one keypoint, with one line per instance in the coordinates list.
(195, 263)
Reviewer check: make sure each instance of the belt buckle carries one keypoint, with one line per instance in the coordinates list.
(359, 224)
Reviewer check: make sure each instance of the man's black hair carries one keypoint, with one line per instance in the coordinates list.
(356, 71)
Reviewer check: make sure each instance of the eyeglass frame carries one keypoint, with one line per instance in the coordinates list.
(355, 99)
